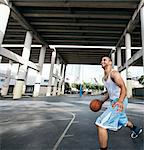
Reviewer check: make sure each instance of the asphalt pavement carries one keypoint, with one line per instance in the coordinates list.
(62, 123)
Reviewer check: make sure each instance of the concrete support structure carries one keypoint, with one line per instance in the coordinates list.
(128, 56)
(5, 85)
(142, 33)
(56, 78)
(119, 63)
(0, 59)
(135, 57)
(17, 58)
(113, 59)
(63, 81)
(4, 15)
(51, 73)
(39, 73)
(18, 89)
(25, 81)
(60, 82)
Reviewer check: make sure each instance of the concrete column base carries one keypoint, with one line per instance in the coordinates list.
(24, 89)
(48, 91)
(36, 90)
(59, 91)
(62, 92)
(54, 91)
(129, 88)
(4, 90)
(17, 93)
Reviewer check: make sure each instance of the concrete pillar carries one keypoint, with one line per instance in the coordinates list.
(51, 73)
(4, 15)
(38, 78)
(119, 63)
(18, 89)
(56, 79)
(128, 56)
(25, 81)
(113, 59)
(63, 83)
(60, 82)
(5, 85)
(0, 59)
(142, 33)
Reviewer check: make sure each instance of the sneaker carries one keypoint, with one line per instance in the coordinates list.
(136, 132)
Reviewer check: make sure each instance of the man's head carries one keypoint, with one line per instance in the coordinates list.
(106, 61)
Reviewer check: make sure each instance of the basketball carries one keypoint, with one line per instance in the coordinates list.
(95, 105)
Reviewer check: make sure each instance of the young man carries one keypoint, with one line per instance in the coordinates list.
(114, 117)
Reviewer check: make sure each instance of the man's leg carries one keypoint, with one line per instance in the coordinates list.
(130, 124)
(103, 138)
(136, 131)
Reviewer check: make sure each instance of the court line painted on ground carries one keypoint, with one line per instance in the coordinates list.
(64, 133)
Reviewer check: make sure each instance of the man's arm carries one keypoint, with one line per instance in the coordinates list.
(119, 81)
(106, 97)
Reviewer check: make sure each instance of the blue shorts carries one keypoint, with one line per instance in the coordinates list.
(111, 119)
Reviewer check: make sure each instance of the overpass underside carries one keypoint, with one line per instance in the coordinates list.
(68, 32)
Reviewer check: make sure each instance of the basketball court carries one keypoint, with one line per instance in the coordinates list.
(63, 32)
(61, 123)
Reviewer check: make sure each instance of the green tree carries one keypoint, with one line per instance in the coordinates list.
(88, 86)
(67, 86)
(76, 85)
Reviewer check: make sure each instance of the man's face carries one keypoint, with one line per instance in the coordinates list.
(105, 61)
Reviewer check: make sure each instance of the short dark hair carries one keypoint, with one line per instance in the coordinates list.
(107, 57)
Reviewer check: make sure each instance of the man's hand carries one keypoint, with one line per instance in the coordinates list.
(120, 106)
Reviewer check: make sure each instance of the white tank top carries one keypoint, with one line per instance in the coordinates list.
(112, 88)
